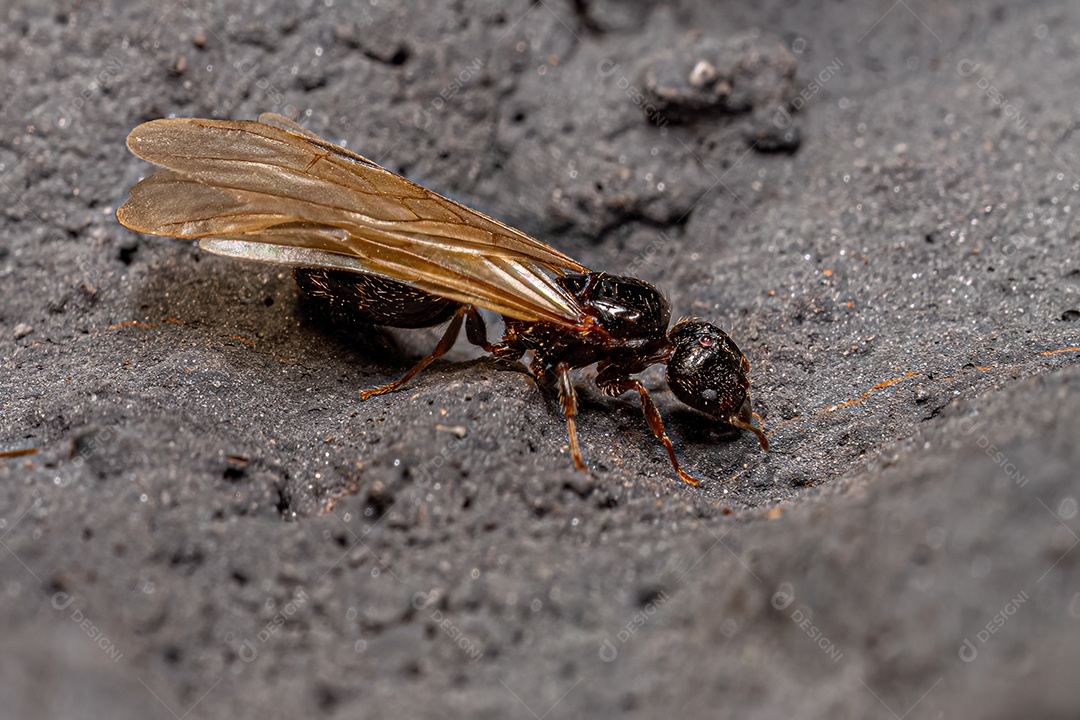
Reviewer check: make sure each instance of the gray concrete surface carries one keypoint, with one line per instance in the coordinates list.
(875, 197)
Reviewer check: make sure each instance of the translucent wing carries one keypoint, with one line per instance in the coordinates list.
(271, 191)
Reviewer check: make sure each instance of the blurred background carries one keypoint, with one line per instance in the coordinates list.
(199, 518)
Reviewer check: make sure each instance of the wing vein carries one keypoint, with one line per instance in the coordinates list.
(263, 183)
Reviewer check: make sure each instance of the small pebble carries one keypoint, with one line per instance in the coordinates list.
(22, 330)
(179, 64)
(704, 73)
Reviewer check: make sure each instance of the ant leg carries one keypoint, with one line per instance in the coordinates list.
(476, 330)
(742, 425)
(652, 416)
(568, 398)
(744, 421)
(447, 342)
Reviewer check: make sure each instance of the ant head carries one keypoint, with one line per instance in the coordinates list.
(708, 372)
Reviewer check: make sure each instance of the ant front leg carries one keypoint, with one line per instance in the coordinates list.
(743, 421)
(568, 398)
(652, 416)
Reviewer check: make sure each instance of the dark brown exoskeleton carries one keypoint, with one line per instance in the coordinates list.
(705, 370)
(389, 252)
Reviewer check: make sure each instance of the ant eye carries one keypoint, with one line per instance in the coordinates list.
(706, 341)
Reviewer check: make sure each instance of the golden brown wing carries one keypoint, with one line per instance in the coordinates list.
(273, 192)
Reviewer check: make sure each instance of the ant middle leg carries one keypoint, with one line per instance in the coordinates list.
(568, 398)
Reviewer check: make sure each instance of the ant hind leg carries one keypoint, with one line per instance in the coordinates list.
(447, 342)
(476, 330)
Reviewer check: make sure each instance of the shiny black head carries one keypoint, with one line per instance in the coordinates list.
(708, 372)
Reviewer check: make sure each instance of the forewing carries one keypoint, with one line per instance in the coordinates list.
(242, 184)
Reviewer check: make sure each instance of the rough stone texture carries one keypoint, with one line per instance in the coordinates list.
(213, 524)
